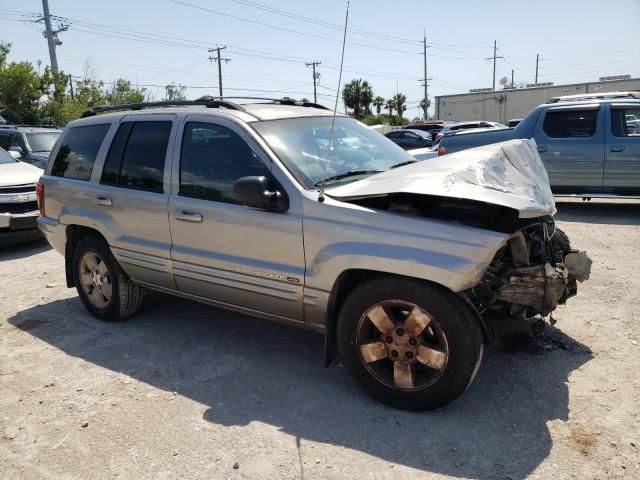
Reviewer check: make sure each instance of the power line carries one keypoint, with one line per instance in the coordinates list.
(284, 29)
(323, 23)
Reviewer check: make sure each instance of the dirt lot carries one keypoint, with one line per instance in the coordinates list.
(188, 391)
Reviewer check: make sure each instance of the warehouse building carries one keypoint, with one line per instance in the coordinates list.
(502, 105)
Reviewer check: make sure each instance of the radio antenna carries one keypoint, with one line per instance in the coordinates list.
(335, 109)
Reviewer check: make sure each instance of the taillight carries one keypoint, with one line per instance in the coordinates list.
(440, 151)
(40, 197)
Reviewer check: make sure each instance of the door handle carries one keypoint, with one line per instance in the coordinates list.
(542, 148)
(188, 216)
(617, 148)
(107, 202)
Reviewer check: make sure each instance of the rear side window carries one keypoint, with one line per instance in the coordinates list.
(625, 122)
(570, 124)
(137, 155)
(212, 159)
(78, 152)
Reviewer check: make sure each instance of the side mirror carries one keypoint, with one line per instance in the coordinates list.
(257, 192)
(16, 149)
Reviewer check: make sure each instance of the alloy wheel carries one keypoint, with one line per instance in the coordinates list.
(95, 279)
(402, 345)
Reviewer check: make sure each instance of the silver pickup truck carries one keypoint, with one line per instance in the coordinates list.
(397, 262)
(589, 146)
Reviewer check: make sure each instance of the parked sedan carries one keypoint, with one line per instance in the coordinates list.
(410, 139)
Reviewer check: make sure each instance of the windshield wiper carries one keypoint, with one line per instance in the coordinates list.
(402, 164)
(351, 173)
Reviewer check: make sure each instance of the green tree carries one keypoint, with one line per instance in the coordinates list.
(174, 92)
(358, 95)
(20, 89)
(422, 107)
(390, 105)
(400, 102)
(378, 102)
(122, 91)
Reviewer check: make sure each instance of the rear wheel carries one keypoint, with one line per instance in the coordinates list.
(106, 291)
(408, 344)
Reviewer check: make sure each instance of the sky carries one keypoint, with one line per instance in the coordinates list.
(156, 42)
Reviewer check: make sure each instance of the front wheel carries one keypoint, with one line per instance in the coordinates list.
(408, 344)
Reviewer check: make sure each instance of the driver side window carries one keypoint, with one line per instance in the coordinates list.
(213, 157)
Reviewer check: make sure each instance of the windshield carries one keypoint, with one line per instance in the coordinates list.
(6, 158)
(302, 145)
(42, 141)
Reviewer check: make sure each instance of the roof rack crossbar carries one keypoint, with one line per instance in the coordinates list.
(209, 103)
(280, 101)
(593, 96)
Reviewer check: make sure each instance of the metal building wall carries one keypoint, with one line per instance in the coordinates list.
(502, 105)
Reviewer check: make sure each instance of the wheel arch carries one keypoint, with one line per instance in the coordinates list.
(350, 279)
(74, 234)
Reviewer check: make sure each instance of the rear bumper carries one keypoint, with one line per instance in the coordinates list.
(18, 221)
(54, 232)
(16, 228)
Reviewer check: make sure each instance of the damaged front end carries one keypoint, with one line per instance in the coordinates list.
(535, 271)
(502, 187)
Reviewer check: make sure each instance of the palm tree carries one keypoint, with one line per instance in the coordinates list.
(358, 95)
(400, 102)
(378, 102)
(390, 105)
(422, 107)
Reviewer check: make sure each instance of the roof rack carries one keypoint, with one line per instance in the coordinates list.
(206, 101)
(594, 96)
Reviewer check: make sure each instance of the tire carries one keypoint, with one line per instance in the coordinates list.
(449, 347)
(125, 295)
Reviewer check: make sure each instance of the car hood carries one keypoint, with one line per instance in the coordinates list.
(510, 174)
(18, 173)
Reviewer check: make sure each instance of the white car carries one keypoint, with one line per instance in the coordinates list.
(18, 200)
(475, 126)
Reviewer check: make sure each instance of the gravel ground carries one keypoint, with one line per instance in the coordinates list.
(184, 390)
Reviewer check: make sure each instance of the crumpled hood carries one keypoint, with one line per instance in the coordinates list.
(18, 173)
(509, 173)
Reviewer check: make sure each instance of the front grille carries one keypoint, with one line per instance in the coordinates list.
(24, 207)
(18, 189)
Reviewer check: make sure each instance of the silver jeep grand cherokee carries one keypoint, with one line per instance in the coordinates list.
(397, 262)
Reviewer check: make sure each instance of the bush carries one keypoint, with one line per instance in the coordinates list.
(393, 120)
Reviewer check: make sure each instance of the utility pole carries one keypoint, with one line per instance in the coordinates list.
(512, 84)
(316, 77)
(219, 60)
(51, 35)
(537, 60)
(426, 79)
(71, 85)
(495, 49)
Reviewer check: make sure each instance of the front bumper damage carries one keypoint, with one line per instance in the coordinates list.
(536, 271)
